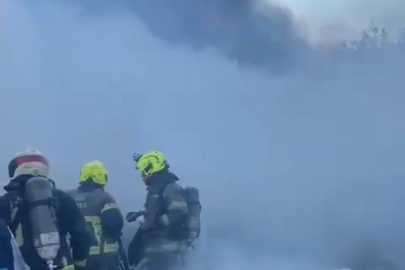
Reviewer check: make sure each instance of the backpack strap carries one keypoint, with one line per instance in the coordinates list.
(53, 202)
(162, 189)
(17, 219)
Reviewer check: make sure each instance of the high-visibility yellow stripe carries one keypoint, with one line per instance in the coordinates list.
(109, 206)
(181, 206)
(95, 223)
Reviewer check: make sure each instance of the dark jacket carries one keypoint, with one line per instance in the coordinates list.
(70, 223)
(6, 249)
(112, 220)
(165, 207)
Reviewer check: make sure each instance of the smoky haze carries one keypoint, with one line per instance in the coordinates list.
(298, 172)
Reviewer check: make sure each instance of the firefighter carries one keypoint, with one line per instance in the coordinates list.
(102, 215)
(42, 217)
(164, 236)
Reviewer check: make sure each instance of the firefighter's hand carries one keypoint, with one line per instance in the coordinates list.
(141, 221)
(132, 216)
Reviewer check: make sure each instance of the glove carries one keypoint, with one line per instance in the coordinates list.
(132, 216)
(141, 221)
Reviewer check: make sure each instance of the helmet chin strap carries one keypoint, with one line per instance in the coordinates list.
(145, 178)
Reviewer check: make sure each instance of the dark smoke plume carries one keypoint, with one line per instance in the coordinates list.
(263, 37)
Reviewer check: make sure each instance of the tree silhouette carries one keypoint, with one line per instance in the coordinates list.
(401, 37)
(372, 38)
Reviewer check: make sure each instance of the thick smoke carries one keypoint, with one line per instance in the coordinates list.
(248, 32)
(295, 174)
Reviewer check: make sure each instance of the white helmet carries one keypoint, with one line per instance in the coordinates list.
(28, 162)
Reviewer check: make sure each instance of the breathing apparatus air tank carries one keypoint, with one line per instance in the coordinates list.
(193, 223)
(41, 205)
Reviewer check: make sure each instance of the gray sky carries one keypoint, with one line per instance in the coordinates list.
(295, 170)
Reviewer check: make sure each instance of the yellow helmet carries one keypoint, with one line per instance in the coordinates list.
(94, 171)
(150, 162)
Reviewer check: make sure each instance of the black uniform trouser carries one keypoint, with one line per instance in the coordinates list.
(6, 249)
(102, 262)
